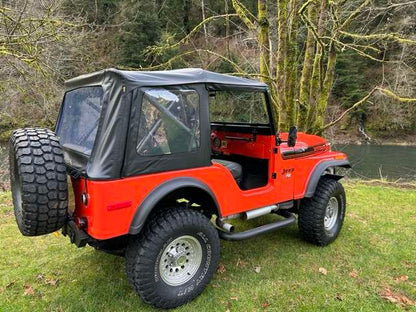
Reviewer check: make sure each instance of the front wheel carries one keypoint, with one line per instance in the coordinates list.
(321, 216)
(174, 258)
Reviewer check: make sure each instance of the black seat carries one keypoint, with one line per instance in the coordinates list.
(235, 168)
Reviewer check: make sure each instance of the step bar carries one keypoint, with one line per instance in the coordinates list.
(237, 236)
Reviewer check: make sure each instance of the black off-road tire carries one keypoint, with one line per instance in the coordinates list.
(312, 213)
(38, 181)
(146, 252)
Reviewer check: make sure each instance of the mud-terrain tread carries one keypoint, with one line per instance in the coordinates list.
(138, 262)
(312, 212)
(41, 173)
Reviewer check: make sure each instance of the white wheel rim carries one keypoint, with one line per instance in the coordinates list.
(331, 214)
(180, 260)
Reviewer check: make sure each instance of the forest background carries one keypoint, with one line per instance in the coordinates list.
(342, 68)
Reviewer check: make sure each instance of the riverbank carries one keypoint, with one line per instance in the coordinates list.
(371, 266)
(352, 136)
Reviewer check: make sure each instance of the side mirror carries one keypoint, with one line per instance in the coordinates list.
(293, 135)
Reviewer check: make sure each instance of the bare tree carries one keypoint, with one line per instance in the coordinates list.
(39, 48)
(310, 36)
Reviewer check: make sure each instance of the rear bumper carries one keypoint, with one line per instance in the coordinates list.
(76, 235)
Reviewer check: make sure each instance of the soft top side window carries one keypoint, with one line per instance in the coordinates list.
(248, 107)
(169, 121)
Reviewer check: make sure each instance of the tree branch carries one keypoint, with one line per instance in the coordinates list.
(386, 92)
(356, 49)
(179, 56)
(252, 75)
(393, 6)
(356, 12)
(394, 96)
(392, 36)
(160, 49)
(309, 24)
(245, 15)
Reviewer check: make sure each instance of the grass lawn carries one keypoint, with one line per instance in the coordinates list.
(372, 263)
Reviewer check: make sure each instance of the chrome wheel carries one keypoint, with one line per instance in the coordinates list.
(180, 260)
(331, 214)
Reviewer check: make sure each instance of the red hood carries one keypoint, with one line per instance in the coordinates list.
(307, 140)
(306, 144)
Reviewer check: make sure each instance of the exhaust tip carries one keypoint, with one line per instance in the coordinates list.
(225, 226)
(228, 227)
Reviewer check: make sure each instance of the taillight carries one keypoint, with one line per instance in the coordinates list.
(84, 199)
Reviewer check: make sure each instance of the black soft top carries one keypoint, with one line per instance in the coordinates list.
(134, 79)
(114, 152)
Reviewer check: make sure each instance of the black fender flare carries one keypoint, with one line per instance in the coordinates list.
(153, 198)
(320, 169)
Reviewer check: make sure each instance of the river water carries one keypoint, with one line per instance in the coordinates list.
(389, 162)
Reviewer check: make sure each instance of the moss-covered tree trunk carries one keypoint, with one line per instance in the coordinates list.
(328, 82)
(265, 52)
(281, 60)
(301, 80)
(264, 42)
(317, 69)
(306, 75)
(291, 69)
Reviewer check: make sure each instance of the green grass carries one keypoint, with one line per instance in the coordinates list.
(377, 242)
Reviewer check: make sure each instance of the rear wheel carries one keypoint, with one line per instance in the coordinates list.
(174, 258)
(321, 216)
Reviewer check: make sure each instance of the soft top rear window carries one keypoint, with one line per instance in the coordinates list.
(80, 114)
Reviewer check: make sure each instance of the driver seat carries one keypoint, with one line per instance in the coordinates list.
(235, 168)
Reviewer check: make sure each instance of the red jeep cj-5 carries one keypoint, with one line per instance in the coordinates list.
(153, 156)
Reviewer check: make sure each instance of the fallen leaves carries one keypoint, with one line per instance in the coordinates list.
(221, 268)
(323, 271)
(396, 298)
(47, 281)
(265, 305)
(353, 274)
(52, 282)
(401, 278)
(257, 269)
(241, 263)
(409, 264)
(28, 290)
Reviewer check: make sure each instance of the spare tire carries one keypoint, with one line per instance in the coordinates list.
(38, 181)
